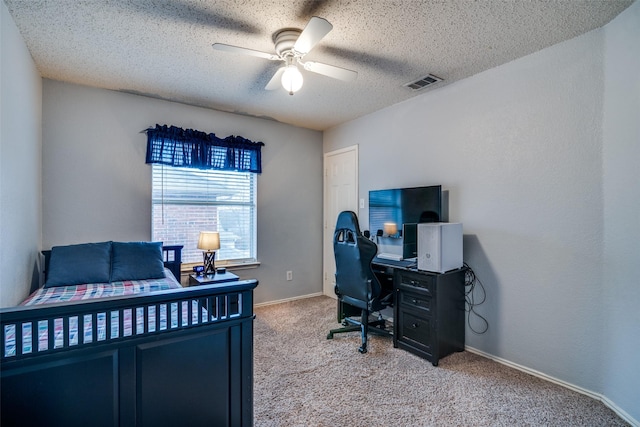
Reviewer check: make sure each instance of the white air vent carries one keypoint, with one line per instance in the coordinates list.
(425, 81)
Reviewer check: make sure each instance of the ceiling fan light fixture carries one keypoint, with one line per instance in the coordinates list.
(292, 79)
(291, 47)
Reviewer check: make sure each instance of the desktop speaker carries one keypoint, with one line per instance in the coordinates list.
(439, 246)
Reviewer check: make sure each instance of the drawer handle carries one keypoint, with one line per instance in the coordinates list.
(415, 325)
(416, 301)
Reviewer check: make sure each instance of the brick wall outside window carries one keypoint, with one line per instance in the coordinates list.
(182, 224)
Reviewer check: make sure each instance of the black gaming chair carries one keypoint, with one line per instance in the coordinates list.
(356, 284)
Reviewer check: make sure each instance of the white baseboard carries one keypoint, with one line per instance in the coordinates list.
(611, 405)
(263, 304)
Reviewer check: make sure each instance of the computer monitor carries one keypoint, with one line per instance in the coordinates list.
(405, 207)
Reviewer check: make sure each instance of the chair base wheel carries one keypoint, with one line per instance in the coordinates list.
(376, 327)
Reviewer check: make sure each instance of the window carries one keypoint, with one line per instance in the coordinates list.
(186, 201)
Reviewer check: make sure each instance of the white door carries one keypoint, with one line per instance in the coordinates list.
(340, 194)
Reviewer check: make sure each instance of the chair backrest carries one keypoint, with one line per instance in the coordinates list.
(356, 283)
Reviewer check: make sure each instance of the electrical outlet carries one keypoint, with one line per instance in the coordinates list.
(289, 275)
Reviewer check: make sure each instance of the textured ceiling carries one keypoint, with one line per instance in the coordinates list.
(162, 48)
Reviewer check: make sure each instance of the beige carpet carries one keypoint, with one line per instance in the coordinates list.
(303, 379)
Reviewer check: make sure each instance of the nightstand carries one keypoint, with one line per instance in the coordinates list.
(210, 279)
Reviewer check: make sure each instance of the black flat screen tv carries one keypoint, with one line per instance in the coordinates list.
(404, 207)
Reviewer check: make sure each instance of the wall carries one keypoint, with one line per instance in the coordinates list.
(621, 151)
(20, 160)
(520, 150)
(96, 185)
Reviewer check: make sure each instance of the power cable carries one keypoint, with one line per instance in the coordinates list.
(471, 281)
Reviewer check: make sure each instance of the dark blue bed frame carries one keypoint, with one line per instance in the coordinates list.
(196, 373)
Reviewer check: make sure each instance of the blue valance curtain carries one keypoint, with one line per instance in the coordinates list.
(188, 148)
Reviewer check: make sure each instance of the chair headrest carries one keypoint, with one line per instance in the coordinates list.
(348, 220)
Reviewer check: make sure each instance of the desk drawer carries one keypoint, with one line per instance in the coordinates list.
(415, 331)
(419, 282)
(420, 301)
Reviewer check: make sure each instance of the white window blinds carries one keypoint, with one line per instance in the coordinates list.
(186, 201)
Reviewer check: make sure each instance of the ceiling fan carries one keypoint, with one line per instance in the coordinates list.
(291, 46)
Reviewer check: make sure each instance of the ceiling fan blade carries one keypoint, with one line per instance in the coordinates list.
(275, 83)
(245, 51)
(331, 71)
(315, 30)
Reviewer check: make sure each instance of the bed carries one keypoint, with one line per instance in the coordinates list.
(127, 352)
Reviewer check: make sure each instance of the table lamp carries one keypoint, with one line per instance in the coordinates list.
(209, 242)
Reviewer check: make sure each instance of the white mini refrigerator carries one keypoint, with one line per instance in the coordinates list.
(439, 246)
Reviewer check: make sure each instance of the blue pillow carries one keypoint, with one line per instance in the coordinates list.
(137, 261)
(78, 264)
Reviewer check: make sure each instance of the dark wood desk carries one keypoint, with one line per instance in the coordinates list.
(428, 309)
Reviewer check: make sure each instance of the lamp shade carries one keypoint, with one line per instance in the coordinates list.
(390, 228)
(209, 240)
(292, 79)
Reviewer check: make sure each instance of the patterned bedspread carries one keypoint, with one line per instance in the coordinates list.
(99, 290)
(168, 314)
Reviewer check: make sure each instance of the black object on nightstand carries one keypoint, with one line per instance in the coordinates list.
(210, 279)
